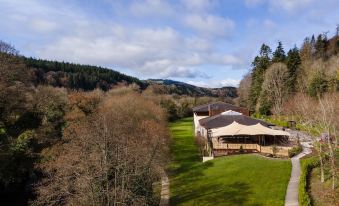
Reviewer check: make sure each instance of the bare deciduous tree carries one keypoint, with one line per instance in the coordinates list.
(327, 117)
(319, 116)
(303, 107)
(244, 90)
(275, 85)
(111, 157)
(7, 48)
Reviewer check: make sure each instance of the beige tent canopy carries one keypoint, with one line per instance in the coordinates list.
(229, 130)
(259, 129)
(239, 129)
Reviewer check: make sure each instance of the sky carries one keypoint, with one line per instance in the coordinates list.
(208, 43)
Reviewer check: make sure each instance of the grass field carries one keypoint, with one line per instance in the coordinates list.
(232, 180)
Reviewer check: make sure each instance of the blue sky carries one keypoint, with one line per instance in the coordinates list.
(203, 42)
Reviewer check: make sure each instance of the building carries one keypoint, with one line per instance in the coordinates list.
(229, 132)
(211, 109)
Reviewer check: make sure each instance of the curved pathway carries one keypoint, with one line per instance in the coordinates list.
(292, 193)
(164, 201)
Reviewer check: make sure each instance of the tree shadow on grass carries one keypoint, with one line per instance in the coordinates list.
(236, 193)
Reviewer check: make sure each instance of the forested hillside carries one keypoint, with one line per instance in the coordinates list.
(67, 147)
(276, 76)
(87, 77)
(301, 86)
(77, 76)
(166, 86)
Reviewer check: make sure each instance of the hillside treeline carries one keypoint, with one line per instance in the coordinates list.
(276, 76)
(69, 147)
(302, 86)
(76, 76)
(165, 86)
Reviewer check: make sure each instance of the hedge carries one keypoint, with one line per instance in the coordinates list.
(306, 167)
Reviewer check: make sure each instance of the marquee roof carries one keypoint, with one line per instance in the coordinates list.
(236, 129)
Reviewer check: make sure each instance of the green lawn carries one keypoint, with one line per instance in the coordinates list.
(232, 180)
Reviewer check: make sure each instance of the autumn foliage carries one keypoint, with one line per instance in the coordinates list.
(113, 154)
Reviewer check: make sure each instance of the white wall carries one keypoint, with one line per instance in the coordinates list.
(197, 126)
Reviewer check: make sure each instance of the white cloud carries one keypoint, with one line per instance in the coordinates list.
(229, 82)
(199, 5)
(151, 7)
(152, 52)
(42, 25)
(216, 83)
(210, 25)
(290, 5)
(71, 34)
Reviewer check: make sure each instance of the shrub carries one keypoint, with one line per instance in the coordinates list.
(294, 151)
(306, 167)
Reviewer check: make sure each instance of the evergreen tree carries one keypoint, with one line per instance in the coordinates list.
(264, 104)
(77, 76)
(293, 62)
(318, 85)
(260, 64)
(321, 45)
(279, 53)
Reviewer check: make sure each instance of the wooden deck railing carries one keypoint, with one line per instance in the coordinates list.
(282, 151)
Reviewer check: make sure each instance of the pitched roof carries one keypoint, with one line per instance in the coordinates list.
(224, 120)
(215, 106)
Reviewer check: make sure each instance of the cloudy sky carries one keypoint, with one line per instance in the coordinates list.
(204, 42)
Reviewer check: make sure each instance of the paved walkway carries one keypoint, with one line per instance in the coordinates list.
(292, 192)
(164, 201)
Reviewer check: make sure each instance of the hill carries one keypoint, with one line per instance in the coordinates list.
(88, 77)
(77, 76)
(181, 88)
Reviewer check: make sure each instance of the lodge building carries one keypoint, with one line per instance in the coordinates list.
(229, 129)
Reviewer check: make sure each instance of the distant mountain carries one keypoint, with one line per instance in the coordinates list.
(181, 88)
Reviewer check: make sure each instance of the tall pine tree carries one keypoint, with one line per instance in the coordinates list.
(293, 62)
(279, 53)
(260, 64)
(321, 45)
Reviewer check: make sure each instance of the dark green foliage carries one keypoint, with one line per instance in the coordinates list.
(28, 117)
(318, 85)
(279, 53)
(171, 109)
(77, 76)
(264, 104)
(321, 46)
(294, 151)
(300, 65)
(306, 166)
(260, 64)
(293, 62)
